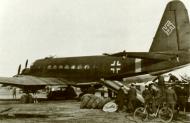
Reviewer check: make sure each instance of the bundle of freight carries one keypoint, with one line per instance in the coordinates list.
(91, 101)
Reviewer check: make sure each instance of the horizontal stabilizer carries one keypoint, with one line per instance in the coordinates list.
(145, 55)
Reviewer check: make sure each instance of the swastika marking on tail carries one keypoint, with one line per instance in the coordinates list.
(168, 27)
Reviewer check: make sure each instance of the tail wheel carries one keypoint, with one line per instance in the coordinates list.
(140, 114)
(165, 114)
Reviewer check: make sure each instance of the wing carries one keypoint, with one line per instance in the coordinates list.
(32, 83)
(138, 79)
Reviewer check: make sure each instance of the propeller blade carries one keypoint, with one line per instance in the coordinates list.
(19, 68)
(26, 64)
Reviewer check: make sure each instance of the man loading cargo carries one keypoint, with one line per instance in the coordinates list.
(120, 98)
(132, 97)
(161, 84)
(160, 79)
(91, 90)
(146, 95)
(70, 92)
(172, 78)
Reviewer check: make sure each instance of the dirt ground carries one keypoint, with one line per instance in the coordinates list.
(62, 112)
(11, 111)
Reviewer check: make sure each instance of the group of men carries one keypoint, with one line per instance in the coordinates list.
(128, 98)
(172, 94)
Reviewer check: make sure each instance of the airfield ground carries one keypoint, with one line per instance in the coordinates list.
(11, 111)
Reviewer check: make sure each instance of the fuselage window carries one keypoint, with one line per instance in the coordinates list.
(60, 66)
(86, 67)
(73, 67)
(55, 67)
(66, 67)
(49, 67)
(79, 67)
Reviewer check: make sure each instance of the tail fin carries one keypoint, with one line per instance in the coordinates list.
(173, 33)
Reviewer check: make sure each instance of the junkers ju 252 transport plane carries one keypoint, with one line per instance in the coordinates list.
(170, 50)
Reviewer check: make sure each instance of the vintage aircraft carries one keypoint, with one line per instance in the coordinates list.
(169, 51)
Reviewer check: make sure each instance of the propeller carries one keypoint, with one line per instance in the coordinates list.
(19, 68)
(26, 64)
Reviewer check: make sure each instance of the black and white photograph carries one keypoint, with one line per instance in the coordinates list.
(94, 61)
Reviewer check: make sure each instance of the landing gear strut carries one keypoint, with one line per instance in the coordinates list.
(27, 97)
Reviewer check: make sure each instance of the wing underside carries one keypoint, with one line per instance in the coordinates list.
(21, 81)
(37, 83)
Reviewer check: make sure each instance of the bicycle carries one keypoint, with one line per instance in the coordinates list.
(163, 112)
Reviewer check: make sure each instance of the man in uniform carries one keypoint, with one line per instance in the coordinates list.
(132, 97)
(161, 83)
(146, 95)
(120, 99)
(154, 98)
(171, 98)
(70, 92)
(14, 93)
(173, 78)
(160, 79)
(182, 98)
(91, 90)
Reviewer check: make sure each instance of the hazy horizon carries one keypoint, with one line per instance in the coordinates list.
(33, 29)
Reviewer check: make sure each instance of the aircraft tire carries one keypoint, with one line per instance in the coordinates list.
(24, 99)
(30, 98)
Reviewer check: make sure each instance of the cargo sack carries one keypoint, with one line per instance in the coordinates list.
(96, 102)
(84, 100)
(90, 102)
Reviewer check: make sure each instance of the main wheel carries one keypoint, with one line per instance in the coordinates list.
(24, 99)
(140, 114)
(165, 114)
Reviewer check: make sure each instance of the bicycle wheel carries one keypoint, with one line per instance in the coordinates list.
(165, 114)
(140, 114)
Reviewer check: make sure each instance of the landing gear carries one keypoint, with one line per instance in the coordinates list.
(62, 93)
(26, 98)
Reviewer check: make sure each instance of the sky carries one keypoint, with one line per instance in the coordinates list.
(33, 29)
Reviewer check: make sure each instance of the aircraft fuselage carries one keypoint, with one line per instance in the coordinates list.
(93, 68)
